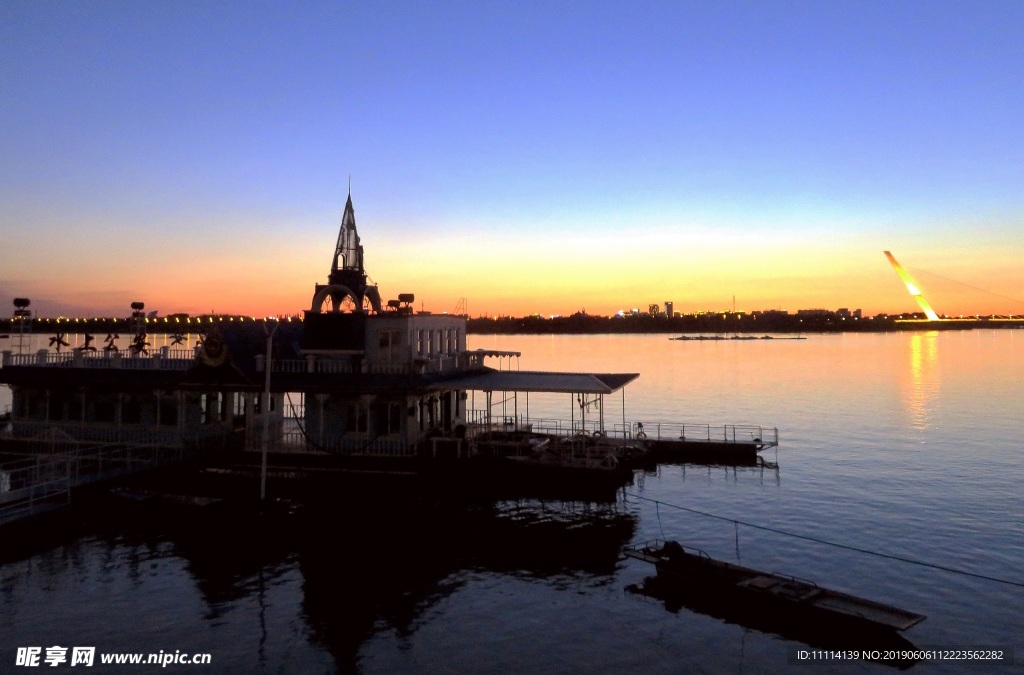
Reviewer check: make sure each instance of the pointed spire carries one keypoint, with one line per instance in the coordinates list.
(347, 278)
(348, 254)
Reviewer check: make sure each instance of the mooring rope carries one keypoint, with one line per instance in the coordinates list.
(816, 540)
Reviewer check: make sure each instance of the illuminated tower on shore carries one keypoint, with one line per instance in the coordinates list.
(346, 289)
(914, 290)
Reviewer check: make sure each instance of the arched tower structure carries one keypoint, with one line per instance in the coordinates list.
(346, 289)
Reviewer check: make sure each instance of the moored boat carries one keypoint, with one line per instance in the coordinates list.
(693, 571)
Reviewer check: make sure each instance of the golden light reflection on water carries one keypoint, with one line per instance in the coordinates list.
(919, 396)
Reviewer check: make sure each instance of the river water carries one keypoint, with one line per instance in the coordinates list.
(905, 444)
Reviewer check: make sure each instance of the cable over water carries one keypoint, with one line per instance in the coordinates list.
(921, 563)
(961, 283)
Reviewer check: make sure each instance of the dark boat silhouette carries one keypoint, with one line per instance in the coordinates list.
(691, 575)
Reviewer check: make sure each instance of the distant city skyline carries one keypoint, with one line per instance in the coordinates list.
(529, 158)
(156, 316)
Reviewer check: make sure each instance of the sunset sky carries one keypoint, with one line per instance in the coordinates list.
(526, 156)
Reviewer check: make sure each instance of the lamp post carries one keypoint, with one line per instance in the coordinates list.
(22, 316)
(266, 407)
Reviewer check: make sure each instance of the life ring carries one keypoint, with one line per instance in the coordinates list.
(641, 435)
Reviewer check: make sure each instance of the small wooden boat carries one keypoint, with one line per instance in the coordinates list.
(693, 570)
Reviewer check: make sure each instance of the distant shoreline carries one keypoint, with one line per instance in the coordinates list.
(727, 325)
(724, 325)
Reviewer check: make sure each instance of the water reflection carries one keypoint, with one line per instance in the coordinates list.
(764, 470)
(333, 573)
(924, 378)
(393, 573)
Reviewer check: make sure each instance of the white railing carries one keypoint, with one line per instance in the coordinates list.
(479, 422)
(350, 367)
(183, 359)
(44, 482)
(171, 436)
(442, 364)
(178, 359)
(294, 440)
(32, 498)
(289, 366)
(706, 433)
(381, 447)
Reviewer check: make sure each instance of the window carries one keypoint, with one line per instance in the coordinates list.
(60, 404)
(396, 411)
(104, 409)
(168, 411)
(357, 417)
(388, 417)
(389, 345)
(211, 407)
(131, 409)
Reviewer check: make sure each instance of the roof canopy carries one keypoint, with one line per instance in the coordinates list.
(527, 381)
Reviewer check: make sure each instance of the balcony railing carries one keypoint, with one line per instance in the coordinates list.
(61, 433)
(480, 422)
(437, 364)
(293, 440)
(162, 359)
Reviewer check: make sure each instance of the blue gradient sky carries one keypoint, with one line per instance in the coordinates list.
(528, 156)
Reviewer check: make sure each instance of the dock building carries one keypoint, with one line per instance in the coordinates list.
(357, 379)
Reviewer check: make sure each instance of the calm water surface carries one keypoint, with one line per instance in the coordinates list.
(907, 444)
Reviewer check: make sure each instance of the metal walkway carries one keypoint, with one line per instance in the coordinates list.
(42, 481)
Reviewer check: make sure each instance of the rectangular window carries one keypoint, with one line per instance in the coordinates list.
(60, 403)
(356, 419)
(131, 409)
(389, 345)
(168, 411)
(104, 409)
(387, 417)
(395, 413)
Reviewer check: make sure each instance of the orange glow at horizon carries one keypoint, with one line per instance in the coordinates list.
(551, 273)
(544, 284)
